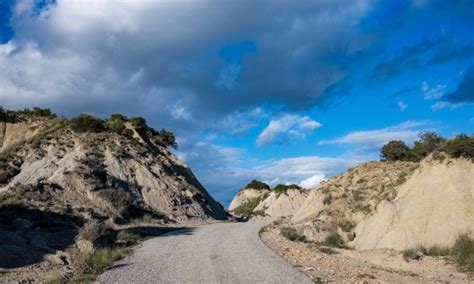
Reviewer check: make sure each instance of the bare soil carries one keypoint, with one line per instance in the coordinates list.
(372, 266)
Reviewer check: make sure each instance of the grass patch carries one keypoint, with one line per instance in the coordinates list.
(333, 239)
(100, 259)
(292, 234)
(247, 208)
(463, 252)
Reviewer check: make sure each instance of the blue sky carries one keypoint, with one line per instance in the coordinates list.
(282, 91)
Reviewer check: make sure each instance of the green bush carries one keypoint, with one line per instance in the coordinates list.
(333, 239)
(36, 111)
(283, 188)
(100, 259)
(167, 138)
(247, 208)
(394, 151)
(87, 123)
(255, 184)
(292, 234)
(463, 251)
(116, 123)
(138, 122)
(460, 146)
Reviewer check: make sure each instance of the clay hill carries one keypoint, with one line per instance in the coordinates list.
(60, 177)
(416, 202)
(258, 199)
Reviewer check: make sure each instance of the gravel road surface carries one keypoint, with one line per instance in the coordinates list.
(217, 253)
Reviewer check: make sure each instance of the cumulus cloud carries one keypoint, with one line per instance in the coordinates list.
(224, 170)
(313, 181)
(287, 127)
(374, 139)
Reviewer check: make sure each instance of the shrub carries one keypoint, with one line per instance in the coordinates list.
(36, 111)
(463, 251)
(333, 239)
(394, 151)
(138, 122)
(292, 234)
(167, 138)
(87, 123)
(429, 142)
(97, 261)
(283, 188)
(460, 146)
(247, 208)
(255, 184)
(116, 123)
(413, 254)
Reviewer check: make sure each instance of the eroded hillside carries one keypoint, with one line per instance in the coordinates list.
(76, 180)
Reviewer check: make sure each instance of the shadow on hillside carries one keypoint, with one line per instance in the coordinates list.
(26, 234)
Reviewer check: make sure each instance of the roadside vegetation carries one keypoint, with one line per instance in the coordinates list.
(462, 252)
(109, 246)
(428, 143)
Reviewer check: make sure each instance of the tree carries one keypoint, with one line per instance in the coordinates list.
(394, 151)
(460, 146)
(87, 123)
(167, 138)
(430, 142)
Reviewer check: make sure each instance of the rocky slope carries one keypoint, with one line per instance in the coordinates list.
(68, 186)
(112, 174)
(432, 208)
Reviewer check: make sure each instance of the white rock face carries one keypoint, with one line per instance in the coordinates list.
(283, 205)
(432, 208)
(310, 207)
(245, 195)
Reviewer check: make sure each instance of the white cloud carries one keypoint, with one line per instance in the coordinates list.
(444, 104)
(402, 106)
(373, 139)
(287, 127)
(224, 170)
(433, 93)
(313, 181)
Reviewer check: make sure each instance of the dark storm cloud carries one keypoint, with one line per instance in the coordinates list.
(187, 65)
(438, 51)
(169, 62)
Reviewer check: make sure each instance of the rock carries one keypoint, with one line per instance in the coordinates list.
(432, 208)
